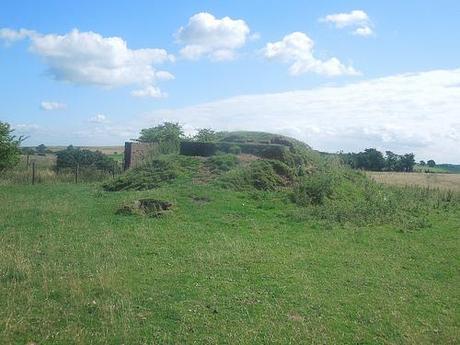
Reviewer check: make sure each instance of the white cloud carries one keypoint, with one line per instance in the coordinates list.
(297, 50)
(90, 59)
(99, 118)
(149, 91)
(357, 19)
(9, 35)
(363, 31)
(415, 112)
(26, 127)
(50, 105)
(218, 39)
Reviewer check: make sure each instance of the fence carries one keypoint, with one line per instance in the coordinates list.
(42, 169)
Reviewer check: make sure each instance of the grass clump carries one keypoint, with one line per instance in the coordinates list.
(222, 162)
(263, 174)
(154, 173)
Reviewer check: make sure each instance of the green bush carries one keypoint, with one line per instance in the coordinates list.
(9, 147)
(223, 162)
(312, 189)
(234, 149)
(71, 157)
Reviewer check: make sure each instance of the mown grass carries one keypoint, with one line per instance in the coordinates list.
(223, 267)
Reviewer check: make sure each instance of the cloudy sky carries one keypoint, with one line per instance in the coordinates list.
(339, 75)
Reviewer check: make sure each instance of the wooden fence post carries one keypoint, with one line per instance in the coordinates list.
(76, 173)
(33, 172)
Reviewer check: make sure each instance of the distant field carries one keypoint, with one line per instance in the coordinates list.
(431, 180)
(108, 150)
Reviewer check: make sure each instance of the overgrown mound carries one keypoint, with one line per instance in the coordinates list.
(322, 187)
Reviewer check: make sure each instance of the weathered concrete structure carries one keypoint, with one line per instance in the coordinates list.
(136, 153)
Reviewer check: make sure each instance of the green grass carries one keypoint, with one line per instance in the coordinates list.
(223, 267)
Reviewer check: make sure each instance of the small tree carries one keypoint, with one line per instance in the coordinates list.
(422, 163)
(41, 149)
(9, 147)
(431, 163)
(205, 135)
(408, 162)
(167, 135)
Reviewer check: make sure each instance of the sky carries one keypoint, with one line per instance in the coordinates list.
(338, 75)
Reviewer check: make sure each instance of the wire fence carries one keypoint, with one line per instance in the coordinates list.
(42, 169)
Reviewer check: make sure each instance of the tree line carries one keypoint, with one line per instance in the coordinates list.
(374, 160)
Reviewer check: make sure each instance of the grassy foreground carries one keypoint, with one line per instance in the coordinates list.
(223, 267)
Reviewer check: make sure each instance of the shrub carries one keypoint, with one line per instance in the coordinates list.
(223, 162)
(9, 147)
(71, 157)
(312, 189)
(234, 149)
(167, 135)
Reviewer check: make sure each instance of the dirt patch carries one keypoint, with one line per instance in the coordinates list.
(146, 207)
(245, 158)
(200, 200)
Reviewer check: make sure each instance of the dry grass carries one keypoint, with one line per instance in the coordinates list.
(441, 181)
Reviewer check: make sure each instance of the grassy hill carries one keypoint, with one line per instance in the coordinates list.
(254, 250)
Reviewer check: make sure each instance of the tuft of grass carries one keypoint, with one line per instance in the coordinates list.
(262, 174)
(154, 173)
(222, 162)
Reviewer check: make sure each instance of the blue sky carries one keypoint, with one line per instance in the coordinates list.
(340, 75)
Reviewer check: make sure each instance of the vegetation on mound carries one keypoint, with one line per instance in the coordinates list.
(154, 173)
(262, 174)
(322, 187)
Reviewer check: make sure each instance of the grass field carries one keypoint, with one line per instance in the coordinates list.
(430, 180)
(223, 268)
(108, 150)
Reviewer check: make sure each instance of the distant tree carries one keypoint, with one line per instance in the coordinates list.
(167, 134)
(205, 135)
(408, 162)
(431, 163)
(27, 151)
(422, 163)
(392, 161)
(371, 159)
(9, 147)
(71, 157)
(41, 150)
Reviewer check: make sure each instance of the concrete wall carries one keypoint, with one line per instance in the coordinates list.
(136, 153)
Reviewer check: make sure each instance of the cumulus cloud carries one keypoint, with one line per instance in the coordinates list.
(218, 39)
(149, 91)
(50, 105)
(358, 20)
(297, 50)
(415, 112)
(99, 118)
(88, 58)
